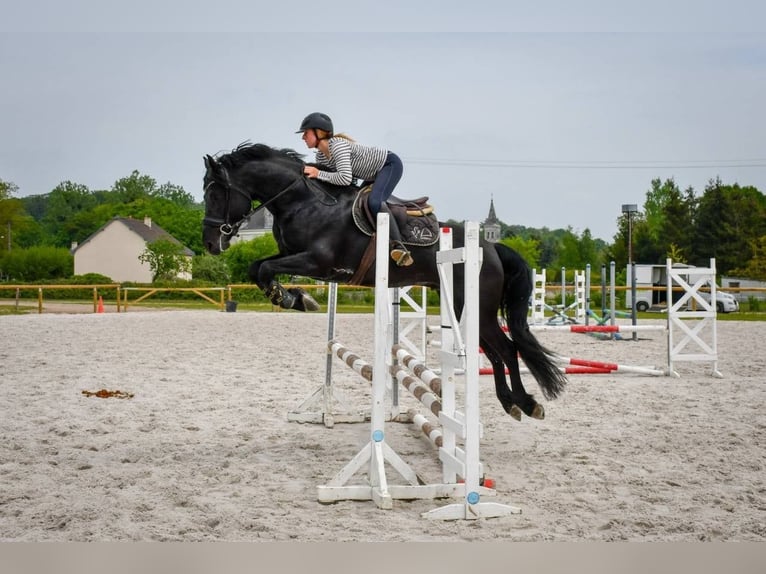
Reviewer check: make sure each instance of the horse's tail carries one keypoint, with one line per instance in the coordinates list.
(517, 288)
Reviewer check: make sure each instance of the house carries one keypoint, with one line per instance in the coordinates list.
(260, 223)
(114, 249)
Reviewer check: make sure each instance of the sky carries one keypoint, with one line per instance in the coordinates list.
(559, 113)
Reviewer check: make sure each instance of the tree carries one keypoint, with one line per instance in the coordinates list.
(529, 249)
(175, 194)
(645, 250)
(166, 259)
(7, 189)
(748, 221)
(549, 247)
(35, 205)
(575, 252)
(756, 266)
(134, 187)
(654, 206)
(675, 253)
(716, 229)
(14, 220)
(65, 201)
(678, 221)
(569, 251)
(667, 218)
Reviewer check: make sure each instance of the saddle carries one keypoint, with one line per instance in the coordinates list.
(417, 223)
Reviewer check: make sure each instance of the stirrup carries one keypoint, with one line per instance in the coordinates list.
(401, 257)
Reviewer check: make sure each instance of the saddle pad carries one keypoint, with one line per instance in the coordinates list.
(420, 231)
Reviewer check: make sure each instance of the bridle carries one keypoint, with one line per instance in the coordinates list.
(225, 226)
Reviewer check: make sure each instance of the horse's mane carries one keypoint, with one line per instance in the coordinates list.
(247, 152)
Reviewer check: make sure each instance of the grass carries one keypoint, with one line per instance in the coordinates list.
(29, 307)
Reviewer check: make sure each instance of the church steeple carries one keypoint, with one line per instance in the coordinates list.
(491, 218)
(492, 224)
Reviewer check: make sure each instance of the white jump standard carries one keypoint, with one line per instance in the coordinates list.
(458, 462)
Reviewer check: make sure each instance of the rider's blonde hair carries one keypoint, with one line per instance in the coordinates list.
(345, 137)
(323, 135)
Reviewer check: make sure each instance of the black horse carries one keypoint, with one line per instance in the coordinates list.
(319, 238)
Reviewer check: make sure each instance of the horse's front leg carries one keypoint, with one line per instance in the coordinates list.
(263, 273)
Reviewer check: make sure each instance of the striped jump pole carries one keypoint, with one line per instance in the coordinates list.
(419, 390)
(585, 366)
(425, 386)
(598, 328)
(418, 367)
(423, 390)
(431, 431)
(357, 364)
(574, 366)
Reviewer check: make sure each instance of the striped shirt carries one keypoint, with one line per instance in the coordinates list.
(350, 160)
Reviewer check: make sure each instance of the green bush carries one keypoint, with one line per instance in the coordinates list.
(37, 263)
(248, 295)
(209, 268)
(349, 296)
(90, 279)
(241, 255)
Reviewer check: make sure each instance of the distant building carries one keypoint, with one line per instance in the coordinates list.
(113, 250)
(744, 283)
(260, 223)
(492, 224)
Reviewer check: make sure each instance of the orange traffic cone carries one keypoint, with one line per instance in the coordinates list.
(100, 308)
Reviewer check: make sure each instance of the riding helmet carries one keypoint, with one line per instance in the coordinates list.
(316, 120)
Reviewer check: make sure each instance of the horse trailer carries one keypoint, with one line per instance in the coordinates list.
(651, 290)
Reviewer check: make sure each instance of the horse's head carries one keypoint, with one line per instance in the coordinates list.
(226, 207)
(252, 172)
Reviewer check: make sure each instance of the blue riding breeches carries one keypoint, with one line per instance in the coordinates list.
(385, 182)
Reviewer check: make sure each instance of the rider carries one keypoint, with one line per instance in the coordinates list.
(351, 160)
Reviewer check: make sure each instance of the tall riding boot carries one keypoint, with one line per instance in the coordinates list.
(399, 253)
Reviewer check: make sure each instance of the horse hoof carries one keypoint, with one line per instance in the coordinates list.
(515, 412)
(538, 412)
(309, 303)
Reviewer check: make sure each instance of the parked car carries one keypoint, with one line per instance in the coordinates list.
(724, 302)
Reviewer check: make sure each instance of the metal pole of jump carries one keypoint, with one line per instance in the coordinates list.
(332, 305)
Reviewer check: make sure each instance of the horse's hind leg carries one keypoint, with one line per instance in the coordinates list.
(303, 301)
(504, 394)
(501, 353)
(527, 402)
(293, 298)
